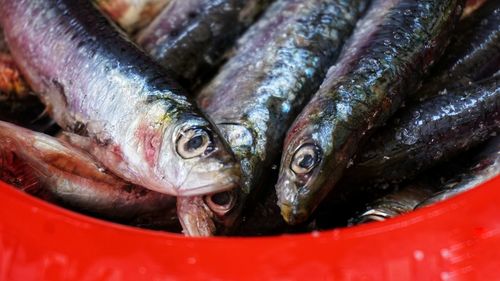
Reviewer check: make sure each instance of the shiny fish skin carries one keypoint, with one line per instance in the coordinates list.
(98, 84)
(278, 65)
(396, 203)
(422, 135)
(132, 15)
(190, 37)
(485, 166)
(392, 50)
(473, 53)
(73, 177)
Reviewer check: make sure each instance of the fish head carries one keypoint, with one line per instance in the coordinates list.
(181, 152)
(303, 173)
(208, 215)
(194, 159)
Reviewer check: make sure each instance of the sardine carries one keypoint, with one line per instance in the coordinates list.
(473, 53)
(435, 130)
(392, 50)
(396, 203)
(96, 83)
(132, 15)
(486, 165)
(34, 161)
(190, 37)
(279, 64)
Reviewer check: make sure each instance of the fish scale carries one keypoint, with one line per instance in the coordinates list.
(360, 93)
(95, 80)
(277, 66)
(191, 37)
(421, 135)
(473, 53)
(44, 165)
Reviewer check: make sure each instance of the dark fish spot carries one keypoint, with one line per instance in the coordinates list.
(194, 143)
(307, 161)
(174, 33)
(79, 128)
(192, 14)
(143, 192)
(128, 188)
(222, 198)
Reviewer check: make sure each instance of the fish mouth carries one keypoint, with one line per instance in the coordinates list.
(187, 191)
(198, 183)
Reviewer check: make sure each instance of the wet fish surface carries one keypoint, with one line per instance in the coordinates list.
(127, 113)
(422, 135)
(190, 37)
(485, 166)
(473, 53)
(38, 163)
(278, 65)
(393, 49)
(396, 203)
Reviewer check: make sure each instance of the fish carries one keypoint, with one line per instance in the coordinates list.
(473, 53)
(132, 15)
(485, 166)
(396, 203)
(278, 65)
(437, 185)
(428, 133)
(38, 163)
(389, 54)
(120, 105)
(191, 37)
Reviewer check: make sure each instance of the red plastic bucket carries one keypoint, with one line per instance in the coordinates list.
(454, 240)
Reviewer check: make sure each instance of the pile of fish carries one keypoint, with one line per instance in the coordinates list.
(248, 117)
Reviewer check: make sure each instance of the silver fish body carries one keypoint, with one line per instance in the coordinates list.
(191, 37)
(278, 65)
(41, 163)
(392, 49)
(96, 83)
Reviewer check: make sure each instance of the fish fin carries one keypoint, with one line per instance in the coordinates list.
(109, 155)
(89, 145)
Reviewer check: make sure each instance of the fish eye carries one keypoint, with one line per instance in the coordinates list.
(305, 159)
(194, 142)
(221, 203)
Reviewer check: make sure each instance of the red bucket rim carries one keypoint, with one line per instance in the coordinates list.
(452, 239)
